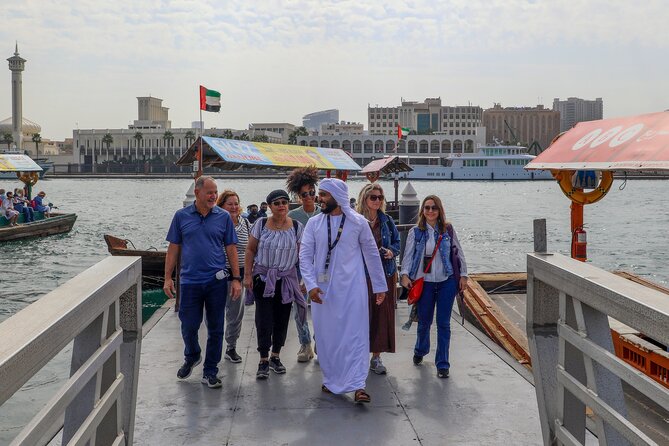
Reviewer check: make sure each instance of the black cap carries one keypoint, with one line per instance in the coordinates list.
(276, 194)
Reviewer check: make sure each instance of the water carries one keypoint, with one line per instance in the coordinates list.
(626, 230)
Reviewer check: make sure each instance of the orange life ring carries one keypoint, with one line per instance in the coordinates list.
(28, 177)
(577, 195)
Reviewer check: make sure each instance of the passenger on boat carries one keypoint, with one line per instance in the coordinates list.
(40, 206)
(270, 275)
(434, 238)
(22, 205)
(372, 205)
(301, 183)
(199, 234)
(7, 208)
(234, 308)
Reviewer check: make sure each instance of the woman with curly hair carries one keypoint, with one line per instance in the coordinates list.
(301, 183)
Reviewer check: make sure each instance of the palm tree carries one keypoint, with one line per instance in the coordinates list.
(108, 140)
(8, 139)
(260, 138)
(190, 136)
(37, 139)
(300, 131)
(227, 134)
(138, 137)
(168, 137)
(244, 137)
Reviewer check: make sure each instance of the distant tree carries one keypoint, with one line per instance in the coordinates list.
(8, 139)
(227, 134)
(215, 135)
(261, 138)
(244, 137)
(168, 137)
(300, 131)
(36, 139)
(189, 137)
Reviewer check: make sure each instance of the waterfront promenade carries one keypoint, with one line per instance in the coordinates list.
(484, 402)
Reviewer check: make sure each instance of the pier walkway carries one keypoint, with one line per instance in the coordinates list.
(484, 402)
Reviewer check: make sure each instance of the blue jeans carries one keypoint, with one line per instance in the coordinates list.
(195, 298)
(303, 333)
(441, 295)
(27, 211)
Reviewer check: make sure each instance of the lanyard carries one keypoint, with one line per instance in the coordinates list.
(331, 245)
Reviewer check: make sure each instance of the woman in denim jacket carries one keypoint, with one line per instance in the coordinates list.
(439, 288)
(371, 204)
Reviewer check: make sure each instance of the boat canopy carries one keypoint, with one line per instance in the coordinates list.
(231, 154)
(385, 166)
(632, 143)
(15, 162)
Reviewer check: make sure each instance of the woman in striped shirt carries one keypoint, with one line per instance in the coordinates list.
(234, 309)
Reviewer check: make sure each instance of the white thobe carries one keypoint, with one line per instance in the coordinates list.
(341, 322)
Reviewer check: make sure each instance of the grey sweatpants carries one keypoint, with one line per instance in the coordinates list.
(234, 313)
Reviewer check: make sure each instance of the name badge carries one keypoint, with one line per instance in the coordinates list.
(323, 277)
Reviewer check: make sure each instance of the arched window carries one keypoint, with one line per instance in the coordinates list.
(413, 146)
(368, 148)
(445, 146)
(422, 148)
(434, 146)
(357, 146)
(457, 146)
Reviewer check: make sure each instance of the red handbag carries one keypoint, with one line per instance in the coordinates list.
(416, 289)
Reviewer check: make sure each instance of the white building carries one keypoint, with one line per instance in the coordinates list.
(575, 110)
(342, 128)
(421, 149)
(282, 128)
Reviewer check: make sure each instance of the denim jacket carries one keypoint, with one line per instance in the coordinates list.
(390, 239)
(419, 252)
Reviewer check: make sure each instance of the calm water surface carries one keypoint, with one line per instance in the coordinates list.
(626, 230)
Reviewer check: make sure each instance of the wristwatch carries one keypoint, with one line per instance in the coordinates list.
(238, 278)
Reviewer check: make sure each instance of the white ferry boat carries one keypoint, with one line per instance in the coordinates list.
(494, 162)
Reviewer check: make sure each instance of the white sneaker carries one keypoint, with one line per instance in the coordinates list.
(305, 354)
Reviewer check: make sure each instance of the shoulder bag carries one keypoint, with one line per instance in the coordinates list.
(416, 289)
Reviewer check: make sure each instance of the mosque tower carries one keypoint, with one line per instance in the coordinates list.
(16, 66)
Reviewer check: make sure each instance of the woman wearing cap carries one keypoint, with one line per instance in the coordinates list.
(372, 206)
(234, 308)
(270, 275)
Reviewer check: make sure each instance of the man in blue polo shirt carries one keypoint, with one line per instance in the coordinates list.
(199, 233)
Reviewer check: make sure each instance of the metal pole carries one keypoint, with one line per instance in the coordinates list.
(409, 207)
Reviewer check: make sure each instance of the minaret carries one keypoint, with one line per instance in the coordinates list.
(16, 66)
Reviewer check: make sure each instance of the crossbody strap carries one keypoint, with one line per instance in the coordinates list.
(436, 247)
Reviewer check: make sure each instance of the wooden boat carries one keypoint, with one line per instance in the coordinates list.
(58, 223)
(153, 261)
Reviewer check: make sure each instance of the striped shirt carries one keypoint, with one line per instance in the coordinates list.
(277, 249)
(242, 229)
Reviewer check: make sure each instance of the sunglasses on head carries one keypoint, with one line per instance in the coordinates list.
(310, 193)
(376, 197)
(427, 207)
(279, 202)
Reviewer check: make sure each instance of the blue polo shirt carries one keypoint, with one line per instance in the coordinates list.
(203, 241)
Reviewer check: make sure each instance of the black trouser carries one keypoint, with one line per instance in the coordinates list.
(272, 318)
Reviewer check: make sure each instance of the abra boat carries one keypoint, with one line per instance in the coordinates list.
(153, 261)
(494, 162)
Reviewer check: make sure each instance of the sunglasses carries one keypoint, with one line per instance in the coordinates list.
(280, 203)
(311, 193)
(430, 208)
(376, 197)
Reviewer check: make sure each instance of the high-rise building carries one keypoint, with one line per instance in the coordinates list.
(425, 117)
(575, 110)
(521, 125)
(313, 121)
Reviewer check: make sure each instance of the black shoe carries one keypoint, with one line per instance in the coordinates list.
(232, 356)
(276, 366)
(211, 381)
(417, 360)
(442, 373)
(263, 370)
(187, 368)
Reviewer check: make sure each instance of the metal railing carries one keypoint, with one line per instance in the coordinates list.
(100, 310)
(568, 308)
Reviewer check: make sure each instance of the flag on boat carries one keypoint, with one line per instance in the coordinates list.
(402, 132)
(210, 100)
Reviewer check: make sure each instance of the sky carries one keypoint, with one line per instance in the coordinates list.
(275, 61)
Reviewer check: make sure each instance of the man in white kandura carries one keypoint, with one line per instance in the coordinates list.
(334, 244)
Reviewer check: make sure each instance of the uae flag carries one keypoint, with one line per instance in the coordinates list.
(402, 132)
(210, 100)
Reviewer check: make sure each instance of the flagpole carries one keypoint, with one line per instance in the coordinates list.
(199, 161)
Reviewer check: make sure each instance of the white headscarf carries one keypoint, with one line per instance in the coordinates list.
(339, 191)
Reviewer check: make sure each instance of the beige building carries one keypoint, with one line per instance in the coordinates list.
(282, 128)
(151, 114)
(429, 116)
(523, 125)
(343, 128)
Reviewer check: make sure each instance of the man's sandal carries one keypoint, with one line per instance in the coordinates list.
(325, 389)
(362, 397)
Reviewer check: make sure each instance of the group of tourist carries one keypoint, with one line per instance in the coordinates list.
(14, 204)
(338, 260)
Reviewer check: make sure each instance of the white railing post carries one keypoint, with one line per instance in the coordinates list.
(131, 322)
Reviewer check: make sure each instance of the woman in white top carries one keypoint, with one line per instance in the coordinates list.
(434, 237)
